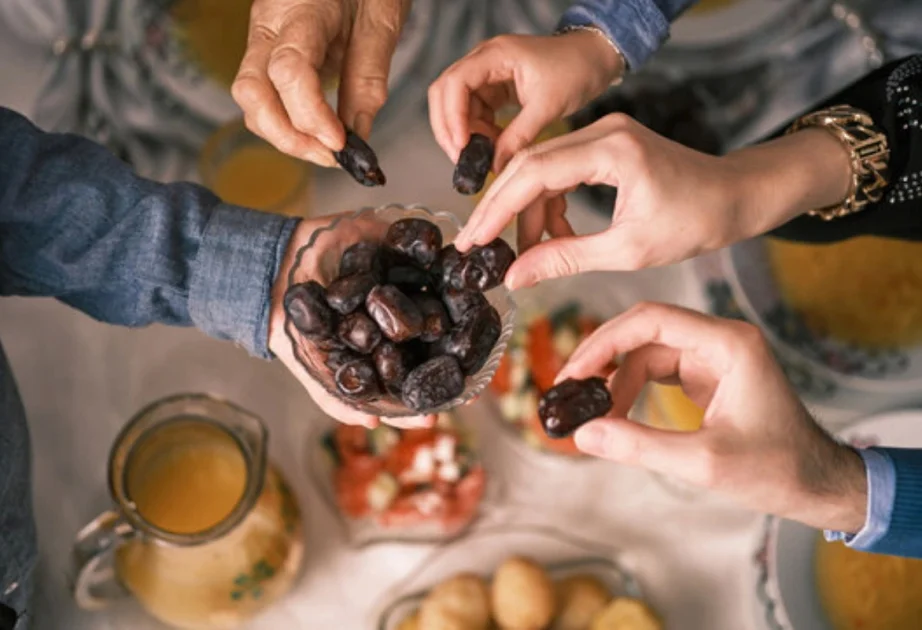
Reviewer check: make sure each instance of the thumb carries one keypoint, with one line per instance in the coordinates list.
(627, 442)
(522, 131)
(367, 63)
(561, 257)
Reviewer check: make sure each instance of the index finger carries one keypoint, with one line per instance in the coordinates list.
(294, 68)
(707, 339)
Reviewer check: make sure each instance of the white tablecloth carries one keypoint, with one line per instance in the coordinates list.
(80, 380)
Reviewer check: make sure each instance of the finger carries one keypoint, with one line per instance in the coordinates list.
(705, 338)
(626, 442)
(530, 225)
(523, 130)
(638, 367)
(366, 66)
(556, 222)
(529, 176)
(411, 422)
(561, 257)
(294, 68)
(263, 111)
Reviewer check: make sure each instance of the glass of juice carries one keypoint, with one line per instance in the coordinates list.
(245, 170)
(204, 531)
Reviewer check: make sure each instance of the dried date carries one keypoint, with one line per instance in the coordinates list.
(474, 165)
(394, 312)
(307, 307)
(393, 363)
(434, 383)
(472, 341)
(359, 332)
(445, 271)
(358, 380)
(339, 357)
(571, 404)
(346, 294)
(435, 319)
(362, 257)
(419, 239)
(359, 160)
(459, 303)
(484, 268)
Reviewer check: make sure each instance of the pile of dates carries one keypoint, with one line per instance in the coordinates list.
(405, 317)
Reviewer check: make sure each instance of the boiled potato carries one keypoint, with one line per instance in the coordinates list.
(459, 603)
(523, 595)
(626, 614)
(410, 623)
(579, 599)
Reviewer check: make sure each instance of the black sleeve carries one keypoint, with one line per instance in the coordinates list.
(892, 95)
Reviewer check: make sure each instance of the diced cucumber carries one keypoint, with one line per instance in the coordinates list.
(382, 439)
(382, 492)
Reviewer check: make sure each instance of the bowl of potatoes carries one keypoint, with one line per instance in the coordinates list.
(530, 577)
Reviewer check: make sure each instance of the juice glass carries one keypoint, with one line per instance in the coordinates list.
(205, 533)
(245, 170)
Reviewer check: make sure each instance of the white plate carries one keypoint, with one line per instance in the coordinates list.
(786, 593)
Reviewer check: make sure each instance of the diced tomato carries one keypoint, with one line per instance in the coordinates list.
(350, 440)
(543, 359)
(466, 499)
(418, 436)
(502, 380)
(405, 511)
(400, 457)
(351, 486)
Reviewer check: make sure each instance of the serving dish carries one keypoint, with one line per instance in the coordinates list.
(319, 260)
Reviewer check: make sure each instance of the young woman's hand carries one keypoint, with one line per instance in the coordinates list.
(549, 77)
(757, 444)
(673, 202)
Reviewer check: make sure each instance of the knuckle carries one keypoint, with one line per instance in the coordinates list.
(750, 337)
(247, 91)
(501, 43)
(565, 263)
(646, 309)
(284, 65)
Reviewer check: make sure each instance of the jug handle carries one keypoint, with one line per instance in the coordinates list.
(95, 583)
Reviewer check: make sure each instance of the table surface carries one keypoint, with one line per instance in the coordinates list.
(80, 380)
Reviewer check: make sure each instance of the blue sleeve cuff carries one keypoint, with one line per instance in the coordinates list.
(232, 276)
(637, 27)
(881, 497)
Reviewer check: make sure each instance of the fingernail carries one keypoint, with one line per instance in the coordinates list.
(589, 438)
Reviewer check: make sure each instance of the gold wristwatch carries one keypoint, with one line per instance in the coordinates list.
(868, 150)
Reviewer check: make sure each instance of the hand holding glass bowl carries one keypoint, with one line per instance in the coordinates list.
(319, 261)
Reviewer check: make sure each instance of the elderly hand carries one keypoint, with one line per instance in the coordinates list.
(757, 444)
(550, 77)
(294, 46)
(280, 345)
(673, 202)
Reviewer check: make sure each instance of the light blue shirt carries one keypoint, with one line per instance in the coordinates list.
(881, 496)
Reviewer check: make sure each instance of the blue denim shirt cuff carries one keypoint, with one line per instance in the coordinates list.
(637, 27)
(233, 272)
(881, 496)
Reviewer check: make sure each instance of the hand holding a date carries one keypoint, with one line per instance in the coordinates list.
(758, 444)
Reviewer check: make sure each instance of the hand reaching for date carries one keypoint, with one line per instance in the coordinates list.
(757, 444)
(294, 48)
(281, 345)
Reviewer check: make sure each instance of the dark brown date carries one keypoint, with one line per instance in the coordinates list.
(571, 404)
(394, 312)
(346, 294)
(339, 357)
(484, 268)
(472, 341)
(445, 271)
(359, 160)
(359, 333)
(307, 307)
(434, 383)
(357, 379)
(419, 239)
(460, 303)
(393, 363)
(409, 278)
(326, 344)
(474, 165)
(361, 257)
(435, 320)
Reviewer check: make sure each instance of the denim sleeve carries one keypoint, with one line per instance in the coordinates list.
(637, 27)
(78, 225)
(894, 524)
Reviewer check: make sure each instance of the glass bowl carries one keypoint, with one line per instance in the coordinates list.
(561, 554)
(319, 261)
(403, 519)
